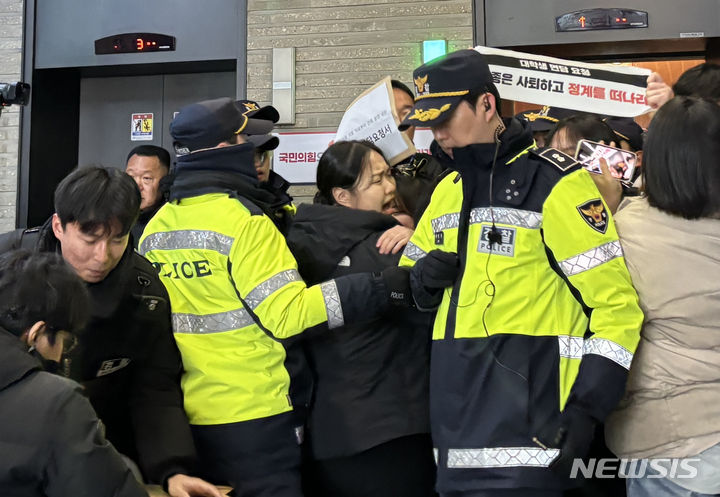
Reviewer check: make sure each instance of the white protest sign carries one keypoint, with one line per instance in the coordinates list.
(597, 88)
(372, 117)
(297, 155)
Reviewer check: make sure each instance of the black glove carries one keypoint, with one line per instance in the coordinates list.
(437, 270)
(397, 283)
(572, 432)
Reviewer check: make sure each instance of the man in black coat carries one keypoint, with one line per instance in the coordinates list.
(51, 441)
(128, 361)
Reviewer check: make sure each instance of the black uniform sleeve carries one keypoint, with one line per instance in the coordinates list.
(162, 432)
(81, 461)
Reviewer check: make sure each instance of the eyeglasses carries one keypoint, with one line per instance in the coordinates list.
(260, 156)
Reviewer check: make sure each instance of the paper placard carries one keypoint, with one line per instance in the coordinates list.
(372, 117)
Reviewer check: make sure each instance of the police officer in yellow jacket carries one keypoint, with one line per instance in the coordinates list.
(533, 339)
(235, 294)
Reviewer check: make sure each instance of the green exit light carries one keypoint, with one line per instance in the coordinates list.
(432, 49)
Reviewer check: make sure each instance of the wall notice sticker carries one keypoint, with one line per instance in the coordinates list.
(141, 127)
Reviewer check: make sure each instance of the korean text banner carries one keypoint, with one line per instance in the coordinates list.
(597, 88)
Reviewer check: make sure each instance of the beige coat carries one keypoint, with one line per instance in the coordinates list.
(671, 406)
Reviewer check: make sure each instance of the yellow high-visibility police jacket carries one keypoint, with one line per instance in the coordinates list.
(235, 292)
(544, 317)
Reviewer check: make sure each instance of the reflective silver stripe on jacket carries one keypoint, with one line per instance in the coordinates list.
(187, 239)
(592, 258)
(413, 252)
(504, 215)
(445, 222)
(211, 323)
(501, 457)
(269, 286)
(571, 347)
(332, 304)
(501, 215)
(609, 350)
(576, 347)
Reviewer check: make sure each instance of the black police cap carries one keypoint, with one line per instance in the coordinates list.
(442, 83)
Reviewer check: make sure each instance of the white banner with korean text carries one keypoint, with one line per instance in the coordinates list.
(297, 156)
(613, 90)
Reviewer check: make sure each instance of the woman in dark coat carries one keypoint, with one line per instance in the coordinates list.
(368, 428)
(51, 441)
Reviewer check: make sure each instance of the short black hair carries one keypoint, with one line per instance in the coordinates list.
(97, 197)
(151, 151)
(700, 81)
(402, 86)
(681, 175)
(584, 127)
(474, 95)
(341, 166)
(41, 286)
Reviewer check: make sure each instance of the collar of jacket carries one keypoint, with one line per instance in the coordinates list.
(278, 186)
(214, 170)
(230, 170)
(321, 235)
(514, 141)
(15, 362)
(147, 213)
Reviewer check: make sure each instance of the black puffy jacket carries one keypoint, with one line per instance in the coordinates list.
(51, 442)
(370, 379)
(128, 363)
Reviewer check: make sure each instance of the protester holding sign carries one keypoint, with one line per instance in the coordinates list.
(372, 117)
(511, 251)
(617, 90)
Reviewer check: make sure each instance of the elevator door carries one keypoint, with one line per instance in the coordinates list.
(111, 107)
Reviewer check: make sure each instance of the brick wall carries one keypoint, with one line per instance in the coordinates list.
(11, 18)
(344, 46)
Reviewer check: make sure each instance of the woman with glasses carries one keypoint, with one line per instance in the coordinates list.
(51, 441)
(368, 428)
